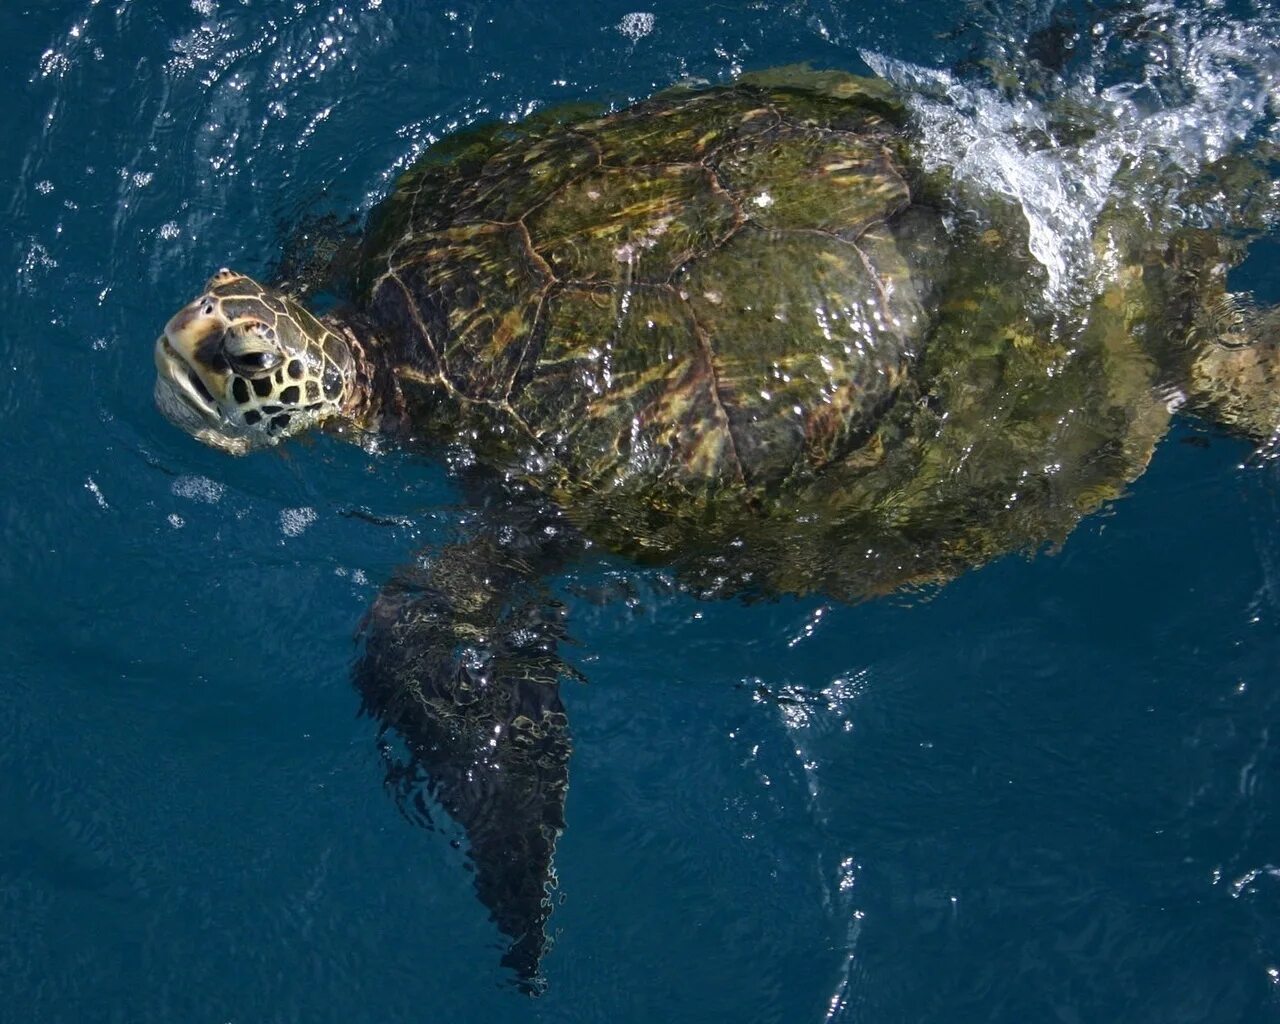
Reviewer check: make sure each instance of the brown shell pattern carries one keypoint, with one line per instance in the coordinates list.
(710, 289)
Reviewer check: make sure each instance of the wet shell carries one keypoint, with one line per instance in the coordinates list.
(710, 290)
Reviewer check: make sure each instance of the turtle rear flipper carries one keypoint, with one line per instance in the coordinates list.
(1234, 374)
(460, 660)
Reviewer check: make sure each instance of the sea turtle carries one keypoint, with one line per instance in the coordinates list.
(736, 330)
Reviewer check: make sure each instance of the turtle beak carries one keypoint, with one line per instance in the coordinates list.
(192, 332)
(186, 403)
(187, 351)
(181, 322)
(178, 370)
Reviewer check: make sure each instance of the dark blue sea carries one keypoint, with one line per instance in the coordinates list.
(1049, 791)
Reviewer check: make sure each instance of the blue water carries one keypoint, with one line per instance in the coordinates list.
(1046, 793)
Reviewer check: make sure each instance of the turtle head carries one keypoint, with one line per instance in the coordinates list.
(244, 365)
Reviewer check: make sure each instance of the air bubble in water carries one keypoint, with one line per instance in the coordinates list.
(636, 25)
(293, 521)
(198, 488)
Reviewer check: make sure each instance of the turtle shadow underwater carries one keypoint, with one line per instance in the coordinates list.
(740, 331)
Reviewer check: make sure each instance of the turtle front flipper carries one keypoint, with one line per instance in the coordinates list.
(320, 254)
(461, 661)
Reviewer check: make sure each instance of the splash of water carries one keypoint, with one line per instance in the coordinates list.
(1160, 94)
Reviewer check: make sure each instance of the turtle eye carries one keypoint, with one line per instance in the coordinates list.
(251, 348)
(252, 364)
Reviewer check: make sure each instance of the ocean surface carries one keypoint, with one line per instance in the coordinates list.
(1049, 791)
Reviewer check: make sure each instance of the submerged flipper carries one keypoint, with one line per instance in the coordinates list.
(320, 255)
(1227, 365)
(460, 660)
(1234, 376)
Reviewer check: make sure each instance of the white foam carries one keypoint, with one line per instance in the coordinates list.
(1204, 87)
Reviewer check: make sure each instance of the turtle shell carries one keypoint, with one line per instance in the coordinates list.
(710, 290)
